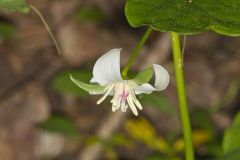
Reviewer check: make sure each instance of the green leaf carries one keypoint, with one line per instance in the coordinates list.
(6, 30)
(90, 14)
(186, 16)
(91, 88)
(63, 84)
(231, 140)
(60, 124)
(15, 5)
(144, 76)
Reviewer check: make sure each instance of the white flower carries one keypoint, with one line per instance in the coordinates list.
(107, 80)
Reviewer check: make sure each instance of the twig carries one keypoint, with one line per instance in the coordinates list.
(47, 28)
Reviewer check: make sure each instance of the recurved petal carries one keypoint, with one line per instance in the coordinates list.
(161, 77)
(144, 88)
(161, 81)
(107, 68)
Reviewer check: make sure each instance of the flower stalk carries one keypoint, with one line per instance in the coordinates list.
(136, 52)
(184, 113)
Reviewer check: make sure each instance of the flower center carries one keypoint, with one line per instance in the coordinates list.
(123, 98)
(120, 97)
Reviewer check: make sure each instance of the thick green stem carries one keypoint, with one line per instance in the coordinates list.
(136, 52)
(184, 114)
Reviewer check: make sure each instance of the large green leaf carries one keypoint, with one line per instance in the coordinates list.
(15, 5)
(186, 16)
(231, 139)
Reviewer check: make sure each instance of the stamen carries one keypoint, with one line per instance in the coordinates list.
(135, 100)
(116, 101)
(116, 105)
(114, 108)
(105, 95)
(124, 108)
(132, 106)
(123, 104)
(123, 97)
(115, 93)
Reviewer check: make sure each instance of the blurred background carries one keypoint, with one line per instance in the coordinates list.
(44, 116)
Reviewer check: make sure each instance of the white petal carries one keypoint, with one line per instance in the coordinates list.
(161, 81)
(107, 68)
(144, 88)
(161, 77)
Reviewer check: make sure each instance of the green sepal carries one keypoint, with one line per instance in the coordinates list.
(91, 88)
(186, 16)
(144, 76)
(15, 5)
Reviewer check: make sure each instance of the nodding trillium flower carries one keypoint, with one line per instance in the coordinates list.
(107, 80)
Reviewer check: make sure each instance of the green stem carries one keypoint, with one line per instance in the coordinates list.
(136, 52)
(184, 114)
